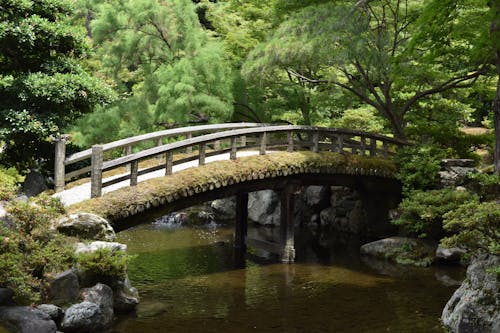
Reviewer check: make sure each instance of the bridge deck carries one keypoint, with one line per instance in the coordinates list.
(82, 192)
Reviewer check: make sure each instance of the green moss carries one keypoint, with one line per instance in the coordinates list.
(112, 204)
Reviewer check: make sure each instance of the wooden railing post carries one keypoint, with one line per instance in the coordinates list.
(290, 142)
(60, 156)
(243, 140)
(340, 140)
(373, 147)
(315, 142)
(134, 172)
(169, 163)
(96, 172)
(263, 143)
(385, 149)
(128, 151)
(232, 154)
(201, 158)
(217, 145)
(189, 149)
(363, 145)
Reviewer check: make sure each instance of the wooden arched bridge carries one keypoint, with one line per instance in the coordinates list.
(288, 156)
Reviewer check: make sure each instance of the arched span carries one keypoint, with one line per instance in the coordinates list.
(226, 178)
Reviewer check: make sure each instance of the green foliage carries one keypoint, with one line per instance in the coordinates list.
(168, 70)
(43, 83)
(474, 226)
(9, 180)
(29, 250)
(419, 166)
(485, 185)
(105, 263)
(422, 211)
(361, 119)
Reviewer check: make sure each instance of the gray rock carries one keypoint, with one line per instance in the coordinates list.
(83, 317)
(94, 246)
(64, 288)
(24, 319)
(264, 208)
(224, 209)
(87, 226)
(458, 163)
(53, 311)
(125, 296)
(317, 197)
(102, 295)
(6, 296)
(475, 305)
(450, 254)
(401, 250)
(34, 183)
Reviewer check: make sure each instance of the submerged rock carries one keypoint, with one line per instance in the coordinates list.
(475, 306)
(24, 319)
(125, 297)
(402, 250)
(86, 226)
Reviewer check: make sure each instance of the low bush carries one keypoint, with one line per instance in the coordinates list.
(422, 211)
(9, 181)
(104, 264)
(474, 226)
(29, 250)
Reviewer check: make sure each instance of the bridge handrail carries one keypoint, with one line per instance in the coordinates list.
(203, 139)
(98, 165)
(84, 154)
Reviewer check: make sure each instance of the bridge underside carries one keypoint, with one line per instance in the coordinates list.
(371, 177)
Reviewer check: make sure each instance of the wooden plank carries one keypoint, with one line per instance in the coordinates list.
(134, 169)
(76, 173)
(232, 154)
(96, 172)
(201, 159)
(263, 143)
(169, 163)
(290, 141)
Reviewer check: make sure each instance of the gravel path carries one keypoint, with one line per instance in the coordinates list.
(82, 192)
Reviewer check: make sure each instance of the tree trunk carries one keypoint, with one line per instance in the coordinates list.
(495, 40)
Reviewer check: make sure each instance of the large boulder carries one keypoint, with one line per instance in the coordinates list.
(64, 288)
(454, 171)
(86, 226)
(101, 295)
(402, 250)
(34, 183)
(54, 312)
(94, 246)
(453, 255)
(6, 296)
(224, 209)
(317, 197)
(475, 306)
(264, 208)
(24, 319)
(83, 317)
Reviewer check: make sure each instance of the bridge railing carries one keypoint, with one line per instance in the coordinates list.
(127, 145)
(288, 137)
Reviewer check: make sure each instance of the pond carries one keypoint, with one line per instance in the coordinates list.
(188, 282)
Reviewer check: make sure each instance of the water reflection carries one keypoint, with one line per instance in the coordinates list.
(188, 283)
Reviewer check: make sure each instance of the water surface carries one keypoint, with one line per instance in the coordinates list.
(189, 283)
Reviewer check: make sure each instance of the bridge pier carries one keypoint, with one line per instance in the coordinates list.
(241, 227)
(287, 246)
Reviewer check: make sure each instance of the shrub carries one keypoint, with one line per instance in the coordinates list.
(422, 211)
(487, 186)
(104, 264)
(419, 166)
(361, 119)
(475, 226)
(29, 250)
(9, 180)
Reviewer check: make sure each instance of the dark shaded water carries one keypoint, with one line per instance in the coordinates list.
(188, 283)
